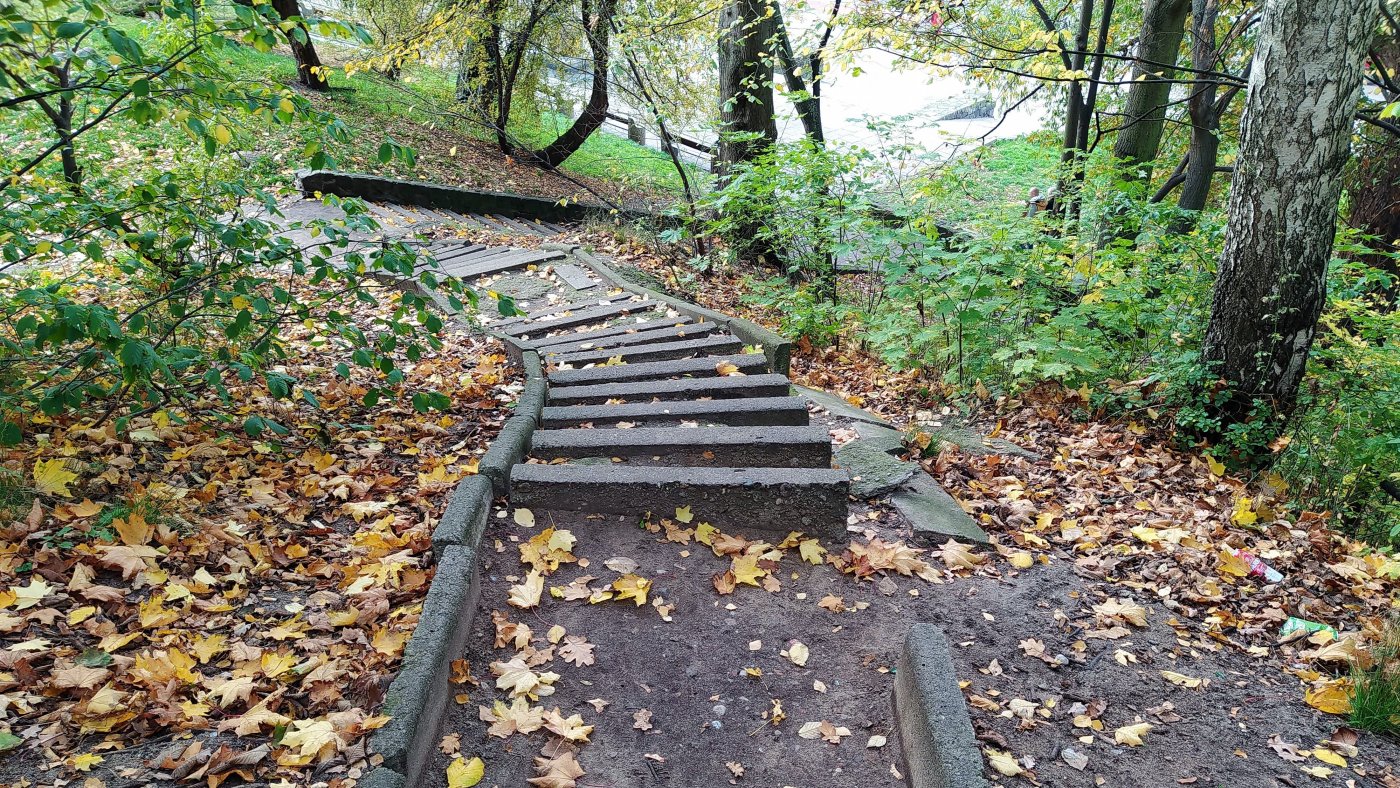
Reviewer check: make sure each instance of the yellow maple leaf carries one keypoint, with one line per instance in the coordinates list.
(811, 551)
(527, 594)
(1131, 735)
(1216, 467)
(683, 514)
(1333, 697)
(52, 477)
(32, 594)
(86, 761)
(705, 534)
(746, 569)
(632, 587)
(465, 773)
(1244, 512)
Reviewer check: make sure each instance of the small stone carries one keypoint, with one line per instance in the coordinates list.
(719, 709)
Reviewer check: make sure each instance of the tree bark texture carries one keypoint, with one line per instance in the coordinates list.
(309, 69)
(1145, 111)
(1204, 148)
(746, 103)
(1282, 215)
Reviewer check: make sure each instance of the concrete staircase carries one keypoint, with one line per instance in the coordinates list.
(648, 410)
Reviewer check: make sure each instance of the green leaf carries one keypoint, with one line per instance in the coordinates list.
(9, 741)
(70, 29)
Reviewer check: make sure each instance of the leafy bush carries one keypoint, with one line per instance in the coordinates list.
(133, 279)
(1120, 296)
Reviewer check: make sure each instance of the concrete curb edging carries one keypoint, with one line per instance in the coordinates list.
(777, 348)
(939, 747)
(415, 700)
(432, 195)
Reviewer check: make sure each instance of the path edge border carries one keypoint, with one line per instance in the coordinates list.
(937, 743)
(455, 198)
(405, 745)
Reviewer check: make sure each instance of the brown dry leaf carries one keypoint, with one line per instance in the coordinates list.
(641, 720)
(562, 771)
(577, 650)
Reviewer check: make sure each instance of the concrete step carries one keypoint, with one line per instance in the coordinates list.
(756, 412)
(472, 269)
(723, 344)
(733, 387)
(811, 500)
(445, 252)
(572, 275)
(617, 329)
(623, 339)
(733, 447)
(705, 366)
(582, 317)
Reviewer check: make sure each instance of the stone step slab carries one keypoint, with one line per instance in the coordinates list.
(624, 338)
(581, 317)
(811, 500)
(705, 366)
(722, 344)
(736, 447)
(617, 329)
(683, 389)
(574, 276)
(506, 262)
(756, 412)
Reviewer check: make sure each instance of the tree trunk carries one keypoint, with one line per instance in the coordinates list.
(805, 98)
(1204, 148)
(1145, 112)
(310, 72)
(745, 83)
(1375, 202)
(1294, 139)
(598, 24)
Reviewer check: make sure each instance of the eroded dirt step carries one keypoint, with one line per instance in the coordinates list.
(694, 667)
(723, 344)
(755, 412)
(705, 366)
(775, 499)
(770, 385)
(579, 317)
(749, 447)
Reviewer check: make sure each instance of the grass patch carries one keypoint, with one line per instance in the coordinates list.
(1375, 707)
(990, 178)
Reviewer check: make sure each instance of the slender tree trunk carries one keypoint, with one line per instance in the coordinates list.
(1294, 141)
(1145, 112)
(805, 98)
(1375, 203)
(597, 21)
(310, 72)
(1204, 149)
(745, 82)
